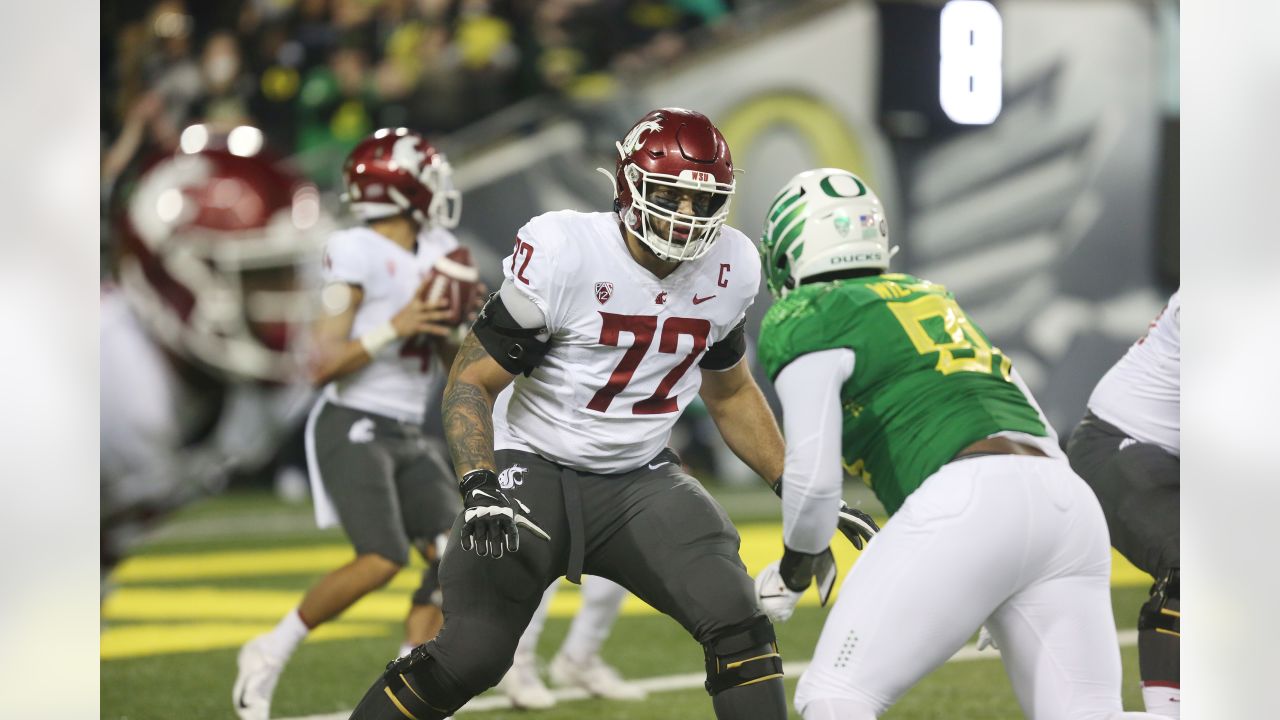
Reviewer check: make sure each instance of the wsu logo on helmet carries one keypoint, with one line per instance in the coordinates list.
(408, 156)
(512, 476)
(635, 140)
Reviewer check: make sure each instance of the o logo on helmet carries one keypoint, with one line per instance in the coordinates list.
(635, 139)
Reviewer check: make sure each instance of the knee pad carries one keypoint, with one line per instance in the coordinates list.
(742, 656)
(410, 688)
(1162, 611)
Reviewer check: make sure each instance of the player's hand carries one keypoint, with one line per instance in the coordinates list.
(491, 520)
(856, 525)
(773, 596)
(420, 316)
(780, 585)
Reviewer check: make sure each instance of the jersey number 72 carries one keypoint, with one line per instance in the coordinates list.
(642, 328)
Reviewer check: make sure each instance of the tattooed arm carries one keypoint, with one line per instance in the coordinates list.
(474, 382)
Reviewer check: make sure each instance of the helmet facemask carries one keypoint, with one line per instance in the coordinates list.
(252, 297)
(703, 230)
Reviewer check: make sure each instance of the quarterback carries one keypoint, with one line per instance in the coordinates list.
(606, 326)
(883, 376)
(378, 349)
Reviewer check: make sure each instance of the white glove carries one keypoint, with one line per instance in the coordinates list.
(985, 640)
(773, 596)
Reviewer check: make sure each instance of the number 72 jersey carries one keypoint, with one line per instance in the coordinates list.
(626, 349)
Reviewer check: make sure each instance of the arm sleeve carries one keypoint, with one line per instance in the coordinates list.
(809, 389)
(344, 261)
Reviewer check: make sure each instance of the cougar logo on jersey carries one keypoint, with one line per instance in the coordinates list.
(512, 476)
(361, 431)
(635, 139)
(604, 291)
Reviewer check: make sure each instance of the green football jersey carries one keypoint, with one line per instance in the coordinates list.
(926, 381)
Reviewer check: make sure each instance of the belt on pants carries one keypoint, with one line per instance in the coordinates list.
(573, 514)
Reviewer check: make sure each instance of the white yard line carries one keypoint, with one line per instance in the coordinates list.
(668, 683)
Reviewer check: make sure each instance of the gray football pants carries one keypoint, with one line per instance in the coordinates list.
(653, 530)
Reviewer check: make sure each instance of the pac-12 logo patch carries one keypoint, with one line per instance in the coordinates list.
(604, 291)
(511, 477)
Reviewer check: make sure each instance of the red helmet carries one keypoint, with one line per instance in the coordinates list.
(217, 249)
(398, 171)
(676, 148)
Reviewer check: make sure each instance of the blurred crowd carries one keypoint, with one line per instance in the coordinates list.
(318, 75)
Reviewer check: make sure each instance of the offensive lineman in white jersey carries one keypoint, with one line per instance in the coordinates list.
(599, 325)
(201, 372)
(1128, 449)
(381, 349)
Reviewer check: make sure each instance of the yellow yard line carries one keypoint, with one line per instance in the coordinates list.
(211, 616)
(162, 639)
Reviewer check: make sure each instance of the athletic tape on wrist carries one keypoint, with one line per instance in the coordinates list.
(378, 338)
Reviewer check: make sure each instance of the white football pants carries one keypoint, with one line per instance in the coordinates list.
(601, 601)
(1016, 542)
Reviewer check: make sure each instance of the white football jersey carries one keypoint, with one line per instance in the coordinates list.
(398, 382)
(625, 345)
(162, 442)
(1141, 394)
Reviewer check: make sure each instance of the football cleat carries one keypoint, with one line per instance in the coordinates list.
(524, 687)
(595, 676)
(256, 680)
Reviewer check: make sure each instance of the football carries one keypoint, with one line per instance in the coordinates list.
(454, 278)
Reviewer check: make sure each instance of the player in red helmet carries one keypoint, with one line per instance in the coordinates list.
(382, 346)
(200, 337)
(558, 411)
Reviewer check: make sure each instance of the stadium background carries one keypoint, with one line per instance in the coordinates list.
(1056, 226)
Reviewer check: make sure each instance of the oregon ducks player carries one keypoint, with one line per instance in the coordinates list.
(884, 375)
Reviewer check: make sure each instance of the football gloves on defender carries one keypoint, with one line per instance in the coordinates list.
(491, 520)
(782, 582)
(856, 525)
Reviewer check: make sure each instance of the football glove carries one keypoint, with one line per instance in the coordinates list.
(856, 525)
(781, 583)
(491, 521)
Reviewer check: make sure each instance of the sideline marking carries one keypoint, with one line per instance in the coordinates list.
(687, 681)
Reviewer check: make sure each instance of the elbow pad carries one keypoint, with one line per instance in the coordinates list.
(517, 349)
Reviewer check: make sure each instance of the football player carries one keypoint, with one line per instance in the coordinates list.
(1127, 448)
(884, 376)
(380, 351)
(606, 326)
(201, 366)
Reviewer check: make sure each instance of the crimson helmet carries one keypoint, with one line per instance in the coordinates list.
(217, 253)
(680, 148)
(398, 171)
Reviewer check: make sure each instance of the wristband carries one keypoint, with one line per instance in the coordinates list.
(378, 338)
(777, 487)
(477, 478)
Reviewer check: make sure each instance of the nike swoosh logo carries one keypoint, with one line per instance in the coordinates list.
(478, 491)
(698, 301)
(655, 467)
(243, 705)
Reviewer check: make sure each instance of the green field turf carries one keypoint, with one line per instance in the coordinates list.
(226, 570)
